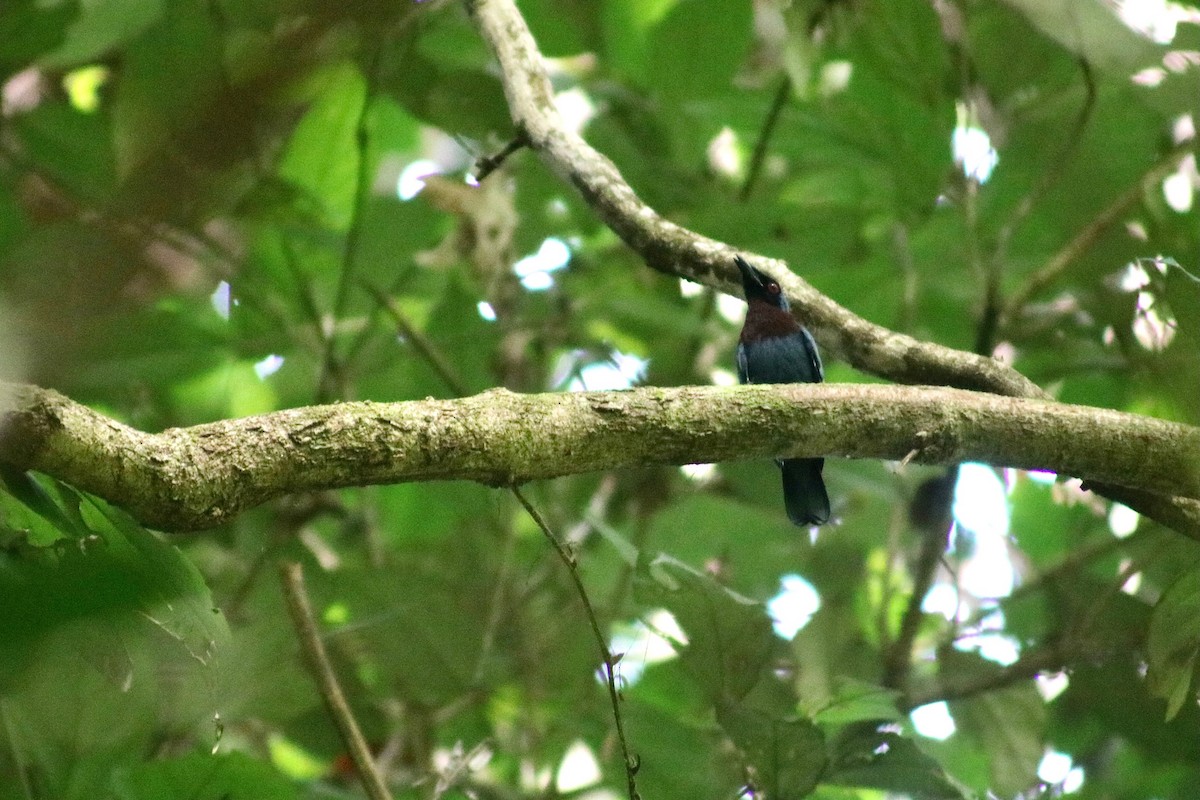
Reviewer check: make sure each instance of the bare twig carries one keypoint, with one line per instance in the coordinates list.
(631, 761)
(1046, 658)
(1090, 233)
(764, 136)
(432, 356)
(292, 577)
(327, 388)
(935, 531)
(486, 165)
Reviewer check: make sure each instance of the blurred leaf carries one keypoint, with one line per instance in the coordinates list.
(322, 156)
(729, 637)
(698, 47)
(857, 701)
(787, 755)
(115, 570)
(231, 776)
(102, 26)
(867, 757)
(1009, 723)
(1092, 30)
(1174, 642)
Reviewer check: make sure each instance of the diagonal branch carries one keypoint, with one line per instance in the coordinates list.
(676, 250)
(197, 477)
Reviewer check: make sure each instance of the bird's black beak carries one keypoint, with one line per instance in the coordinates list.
(749, 274)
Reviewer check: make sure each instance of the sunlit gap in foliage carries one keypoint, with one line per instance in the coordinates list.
(412, 178)
(702, 474)
(584, 371)
(637, 645)
(1156, 19)
(1051, 685)
(973, 150)
(1059, 770)
(221, 299)
(1179, 188)
(83, 87)
(933, 721)
(732, 309)
(486, 311)
(793, 606)
(1154, 325)
(726, 156)
(578, 769)
(1122, 520)
(268, 366)
(980, 508)
(576, 108)
(535, 271)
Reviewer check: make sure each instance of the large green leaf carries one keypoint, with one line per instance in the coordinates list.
(729, 638)
(1174, 642)
(232, 776)
(787, 755)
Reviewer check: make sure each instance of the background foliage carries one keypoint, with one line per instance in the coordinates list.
(201, 217)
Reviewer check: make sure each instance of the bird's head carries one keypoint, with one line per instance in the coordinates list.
(760, 286)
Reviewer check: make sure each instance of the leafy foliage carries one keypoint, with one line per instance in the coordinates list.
(202, 205)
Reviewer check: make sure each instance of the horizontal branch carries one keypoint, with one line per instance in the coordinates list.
(671, 248)
(197, 477)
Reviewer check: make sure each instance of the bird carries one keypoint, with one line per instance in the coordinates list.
(775, 348)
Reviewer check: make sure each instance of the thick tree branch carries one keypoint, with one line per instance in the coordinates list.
(676, 250)
(673, 249)
(197, 477)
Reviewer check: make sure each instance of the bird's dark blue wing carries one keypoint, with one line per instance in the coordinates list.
(782, 359)
(814, 357)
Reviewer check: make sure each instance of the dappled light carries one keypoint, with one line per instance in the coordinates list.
(372, 420)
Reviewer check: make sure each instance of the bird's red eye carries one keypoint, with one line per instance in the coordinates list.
(773, 287)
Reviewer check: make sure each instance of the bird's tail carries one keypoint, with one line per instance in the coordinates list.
(804, 491)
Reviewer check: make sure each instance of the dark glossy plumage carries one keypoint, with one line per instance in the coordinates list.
(775, 348)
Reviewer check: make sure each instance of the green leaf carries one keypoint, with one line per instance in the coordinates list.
(1092, 30)
(1008, 723)
(233, 776)
(102, 26)
(729, 637)
(787, 755)
(322, 156)
(116, 572)
(698, 47)
(170, 79)
(858, 701)
(881, 759)
(1174, 642)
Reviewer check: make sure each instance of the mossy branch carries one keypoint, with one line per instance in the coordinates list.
(198, 477)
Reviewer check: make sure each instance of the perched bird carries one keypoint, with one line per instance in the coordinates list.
(775, 348)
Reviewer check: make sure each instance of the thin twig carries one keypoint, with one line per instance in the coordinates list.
(631, 761)
(898, 660)
(329, 366)
(486, 165)
(1058, 167)
(1047, 658)
(1090, 233)
(439, 363)
(782, 94)
(292, 577)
